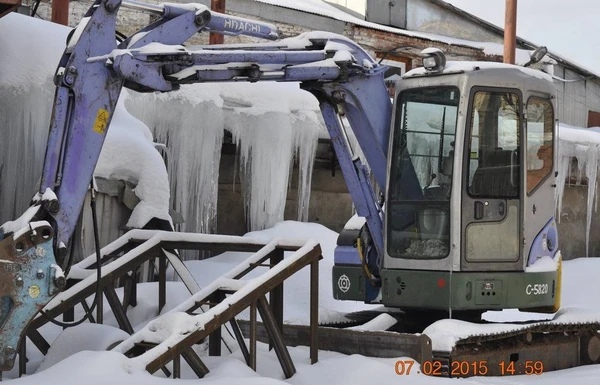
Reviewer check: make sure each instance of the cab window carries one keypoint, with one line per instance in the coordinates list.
(540, 138)
(494, 145)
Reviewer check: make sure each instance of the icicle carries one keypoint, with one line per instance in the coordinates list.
(583, 145)
(190, 123)
(591, 173)
(25, 116)
(306, 133)
(272, 124)
(265, 145)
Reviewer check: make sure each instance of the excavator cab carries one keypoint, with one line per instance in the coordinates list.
(469, 202)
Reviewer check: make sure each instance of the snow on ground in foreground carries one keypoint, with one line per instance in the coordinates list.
(296, 288)
(579, 280)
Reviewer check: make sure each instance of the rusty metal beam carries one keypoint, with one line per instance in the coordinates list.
(23, 356)
(253, 336)
(240, 339)
(283, 355)
(510, 31)
(38, 340)
(162, 281)
(217, 6)
(177, 366)
(8, 6)
(215, 247)
(276, 295)
(60, 12)
(314, 312)
(214, 339)
(195, 362)
(117, 309)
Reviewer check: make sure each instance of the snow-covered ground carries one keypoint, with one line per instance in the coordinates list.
(80, 364)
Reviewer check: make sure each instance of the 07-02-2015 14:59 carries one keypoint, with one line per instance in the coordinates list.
(467, 368)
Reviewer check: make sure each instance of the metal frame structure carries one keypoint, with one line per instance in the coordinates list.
(218, 304)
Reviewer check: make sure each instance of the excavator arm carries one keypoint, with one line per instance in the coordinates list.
(95, 68)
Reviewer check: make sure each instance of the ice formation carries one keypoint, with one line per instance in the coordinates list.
(27, 93)
(272, 131)
(189, 123)
(274, 125)
(582, 144)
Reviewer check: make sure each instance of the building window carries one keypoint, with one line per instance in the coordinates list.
(395, 71)
(593, 119)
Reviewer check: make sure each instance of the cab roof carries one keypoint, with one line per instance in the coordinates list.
(456, 67)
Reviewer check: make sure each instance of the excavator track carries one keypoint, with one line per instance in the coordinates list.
(530, 349)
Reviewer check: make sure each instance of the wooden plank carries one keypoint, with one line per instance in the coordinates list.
(366, 343)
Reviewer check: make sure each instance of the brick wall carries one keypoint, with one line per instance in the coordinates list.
(372, 40)
(129, 21)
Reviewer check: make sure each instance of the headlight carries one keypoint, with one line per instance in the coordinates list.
(434, 59)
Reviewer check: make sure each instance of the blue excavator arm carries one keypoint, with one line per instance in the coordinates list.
(90, 76)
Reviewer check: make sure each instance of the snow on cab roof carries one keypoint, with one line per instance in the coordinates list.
(453, 67)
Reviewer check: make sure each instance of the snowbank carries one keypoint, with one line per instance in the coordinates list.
(129, 154)
(87, 336)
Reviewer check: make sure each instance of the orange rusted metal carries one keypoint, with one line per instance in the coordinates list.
(510, 31)
(217, 6)
(60, 12)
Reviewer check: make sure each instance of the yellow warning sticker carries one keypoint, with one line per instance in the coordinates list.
(34, 291)
(101, 121)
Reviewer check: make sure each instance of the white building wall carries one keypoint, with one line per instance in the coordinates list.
(424, 16)
(357, 6)
(576, 97)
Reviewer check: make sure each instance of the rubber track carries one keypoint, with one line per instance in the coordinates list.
(536, 328)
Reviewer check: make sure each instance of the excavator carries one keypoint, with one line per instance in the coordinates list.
(456, 187)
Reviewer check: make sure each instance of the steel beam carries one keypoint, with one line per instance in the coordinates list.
(314, 311)
(118, 310)
(240, 339)
(195, 362)
(253, 336)
(283, 355)
(276, 295)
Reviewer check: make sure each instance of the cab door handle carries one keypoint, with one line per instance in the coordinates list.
(478, 210)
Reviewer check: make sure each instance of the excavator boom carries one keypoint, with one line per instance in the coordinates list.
(90, 76)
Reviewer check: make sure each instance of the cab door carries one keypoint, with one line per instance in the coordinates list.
(491, 190)
(539, 179)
